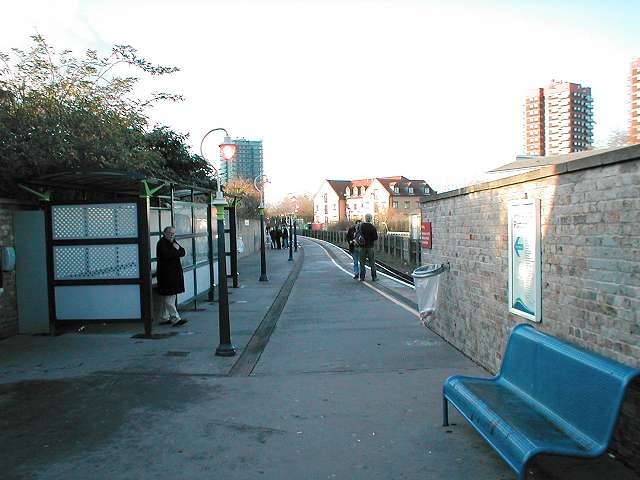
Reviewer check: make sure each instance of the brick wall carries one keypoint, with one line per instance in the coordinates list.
(8, 304)
(590, 238)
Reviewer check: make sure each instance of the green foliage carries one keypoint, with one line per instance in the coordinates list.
(247, 198)
(60, 112)
(303, 202)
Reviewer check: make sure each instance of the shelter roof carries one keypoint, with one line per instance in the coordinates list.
(110, 181)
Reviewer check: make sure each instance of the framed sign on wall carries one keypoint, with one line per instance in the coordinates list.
(525, 266)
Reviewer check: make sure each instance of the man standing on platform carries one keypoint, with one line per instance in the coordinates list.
(354, 248)
(369, 236)
(170, 276)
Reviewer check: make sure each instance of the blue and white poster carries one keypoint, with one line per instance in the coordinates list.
(524, 259)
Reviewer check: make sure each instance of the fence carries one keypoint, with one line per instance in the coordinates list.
(397, 246)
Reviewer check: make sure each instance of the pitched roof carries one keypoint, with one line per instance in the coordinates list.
(402, 183)
(339, 185)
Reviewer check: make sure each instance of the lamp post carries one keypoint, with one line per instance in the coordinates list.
(295, 235)
(290, 237)
(225, 347)
(259, 182)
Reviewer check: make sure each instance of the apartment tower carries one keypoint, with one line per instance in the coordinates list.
(634, 103)
(558, 119)
(248, 162)
(534, 122)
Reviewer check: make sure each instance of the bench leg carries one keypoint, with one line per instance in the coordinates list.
(445, 412)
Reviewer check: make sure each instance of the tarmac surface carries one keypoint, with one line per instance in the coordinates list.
(334, 378)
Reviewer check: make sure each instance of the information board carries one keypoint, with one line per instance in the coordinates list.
(425, 235)
(525, 288)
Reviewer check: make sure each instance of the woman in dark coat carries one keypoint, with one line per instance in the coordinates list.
(169, 275)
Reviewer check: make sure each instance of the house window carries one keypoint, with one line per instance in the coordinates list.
(335, 207)
(395, 204)
(407, 204)
(326, 210)
(325, 198)
(410, 190)
(427, 191)
(396, 189)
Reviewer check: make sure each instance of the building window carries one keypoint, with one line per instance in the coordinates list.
(325, 198)
(410, 190)
(427, 191)
(395, 204)
(335, 207)
(396, 189)
(326, 210)
(407, 204)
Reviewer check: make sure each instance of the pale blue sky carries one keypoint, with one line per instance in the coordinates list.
(355, 89)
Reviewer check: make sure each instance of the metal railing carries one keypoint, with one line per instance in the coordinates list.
(403, 248)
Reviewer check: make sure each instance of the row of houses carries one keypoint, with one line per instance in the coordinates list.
(339, 200)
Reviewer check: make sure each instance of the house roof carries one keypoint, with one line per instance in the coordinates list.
(339, 185)
(402, 183)
(388, 183)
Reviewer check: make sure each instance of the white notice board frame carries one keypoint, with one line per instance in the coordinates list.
(527, 281)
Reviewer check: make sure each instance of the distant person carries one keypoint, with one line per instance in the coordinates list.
(170, 276)
(278, 236)
(367, 251)
(272, 236)
(354, 248)
(285, 237)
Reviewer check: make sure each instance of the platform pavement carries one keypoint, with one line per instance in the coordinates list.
(111, 348)
(348, 386)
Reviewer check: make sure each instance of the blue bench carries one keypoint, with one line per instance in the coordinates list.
(549, 397)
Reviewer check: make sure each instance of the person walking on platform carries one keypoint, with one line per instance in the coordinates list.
(170, 276)
(267, 237)
(369, 235)
(272, 236)
(285, 237)
(354, 248)
(278, 235)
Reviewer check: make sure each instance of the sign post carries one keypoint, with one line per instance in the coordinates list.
(525, 266)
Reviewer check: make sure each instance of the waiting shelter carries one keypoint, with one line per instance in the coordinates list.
(99, 231)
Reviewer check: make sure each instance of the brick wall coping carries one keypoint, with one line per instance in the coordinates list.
(594, 160)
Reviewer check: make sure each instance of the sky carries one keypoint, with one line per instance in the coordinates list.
(347, 89)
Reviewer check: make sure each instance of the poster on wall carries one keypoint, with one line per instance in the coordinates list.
(525, 288)
(425, 235)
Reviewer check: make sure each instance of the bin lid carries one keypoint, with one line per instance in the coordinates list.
(427, 271)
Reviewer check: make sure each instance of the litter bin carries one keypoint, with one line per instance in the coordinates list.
(427, 280)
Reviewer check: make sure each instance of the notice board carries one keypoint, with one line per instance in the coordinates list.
(425, 235)
(525, 287)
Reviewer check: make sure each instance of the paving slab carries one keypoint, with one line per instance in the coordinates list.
(348, 386)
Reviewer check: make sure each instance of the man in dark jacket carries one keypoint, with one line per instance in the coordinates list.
(370, 234)
(170, 276)
(354, 248)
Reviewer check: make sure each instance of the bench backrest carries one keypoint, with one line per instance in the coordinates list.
(582, 388)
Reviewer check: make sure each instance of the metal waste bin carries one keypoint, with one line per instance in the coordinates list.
(427, 281)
